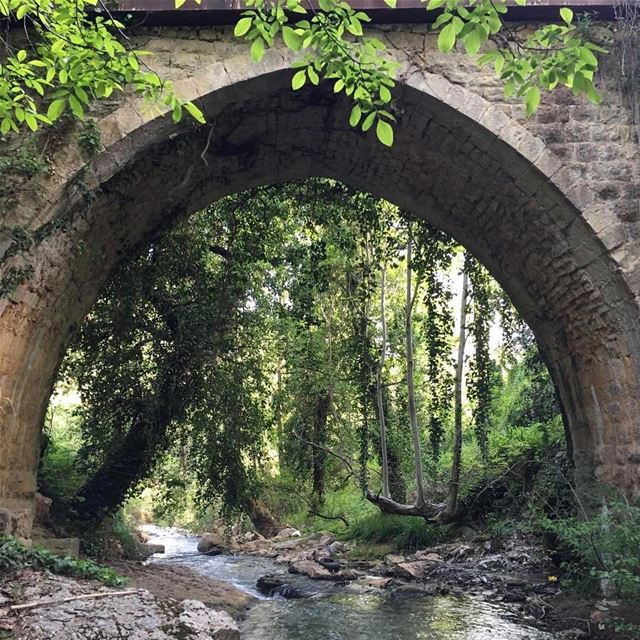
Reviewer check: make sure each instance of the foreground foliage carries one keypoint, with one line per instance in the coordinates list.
(606, 547)
(76, 51)
(15, 556)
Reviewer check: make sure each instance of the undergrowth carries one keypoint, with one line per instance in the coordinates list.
(605, 549)
(15, 556)
(404, 533)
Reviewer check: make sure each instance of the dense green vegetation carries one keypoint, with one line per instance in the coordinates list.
(262, 350)
(14, 556)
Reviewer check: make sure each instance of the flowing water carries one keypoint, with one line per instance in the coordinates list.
(337, 614)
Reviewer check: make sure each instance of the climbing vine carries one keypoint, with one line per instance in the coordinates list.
(433, 261)
(479, 384)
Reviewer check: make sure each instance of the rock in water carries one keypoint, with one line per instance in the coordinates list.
(277, 585)
(211, 544)
(330, 564)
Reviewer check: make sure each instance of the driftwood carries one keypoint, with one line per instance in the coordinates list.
(86, 596)
(386, 505)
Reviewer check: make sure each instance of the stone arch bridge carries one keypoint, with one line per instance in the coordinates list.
(549, 204)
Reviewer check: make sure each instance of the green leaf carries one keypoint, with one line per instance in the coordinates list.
(521, 3)
(257, 49)
(368, 121)
(356, 114)
(435, 4)
(566, 14)
(32, 123)
(472, 42)
(447, 38)
(298, 80)
(384, 131)
(291, 38)
(194, 112)
(56, 109)
(391, 3)
(509, 88)
(76, 107)
(242, 26)
(532, 100)
(385, 94)
(313, 76)
(592, 94)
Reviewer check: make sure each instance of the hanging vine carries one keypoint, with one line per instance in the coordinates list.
(479, 380)
(433, 260)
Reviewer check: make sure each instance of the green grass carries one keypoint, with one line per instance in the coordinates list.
(403, 532)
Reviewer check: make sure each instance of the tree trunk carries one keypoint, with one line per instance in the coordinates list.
(413, 416)
(451, 509)
(384, 460)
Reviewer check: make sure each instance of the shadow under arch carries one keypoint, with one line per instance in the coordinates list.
(457, 161)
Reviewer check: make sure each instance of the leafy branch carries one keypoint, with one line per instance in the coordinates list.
(335, 48)
(75, 59)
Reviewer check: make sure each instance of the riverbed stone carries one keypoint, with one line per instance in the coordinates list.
(210, 543)
(311, 569)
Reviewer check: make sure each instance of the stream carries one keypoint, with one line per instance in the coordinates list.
(338, 613)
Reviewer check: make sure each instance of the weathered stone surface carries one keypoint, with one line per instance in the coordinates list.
(549, 204)
(140, 616)
(180, 583)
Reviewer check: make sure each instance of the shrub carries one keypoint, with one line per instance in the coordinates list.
(14, 556)
(606, 545)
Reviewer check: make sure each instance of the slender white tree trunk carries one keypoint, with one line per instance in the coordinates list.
(413, 416)
(380, 390)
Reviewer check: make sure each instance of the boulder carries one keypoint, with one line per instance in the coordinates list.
(211, 544)
(277, 585)
(337, 547)
(373, 582)
(326, 539)
(413, 570)
(430, 557)
(146, 550)
(137, 616)
(250, 536)
(310, 569)
(263, 520)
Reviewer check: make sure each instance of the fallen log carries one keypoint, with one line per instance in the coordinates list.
(429, 512)
(86, 596)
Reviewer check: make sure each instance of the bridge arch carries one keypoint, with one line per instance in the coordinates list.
(458, 161)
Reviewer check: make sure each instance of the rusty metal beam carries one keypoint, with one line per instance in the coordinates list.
(222, 12)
